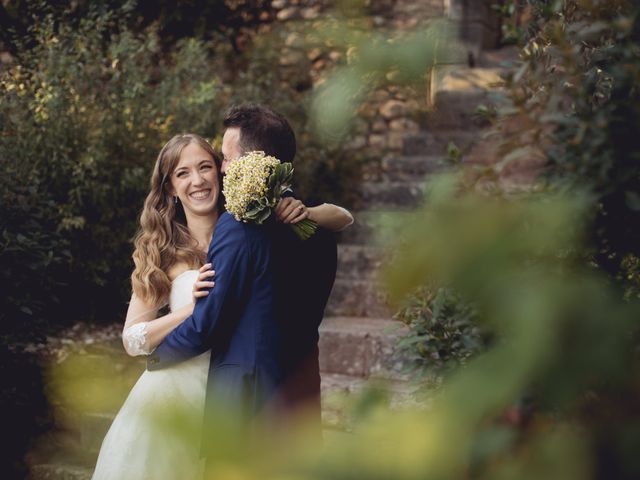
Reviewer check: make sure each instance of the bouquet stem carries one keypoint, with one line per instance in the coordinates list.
(305, 228)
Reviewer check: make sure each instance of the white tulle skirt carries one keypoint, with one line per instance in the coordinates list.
(157, 432)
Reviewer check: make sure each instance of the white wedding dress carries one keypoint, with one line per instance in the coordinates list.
(156, 434)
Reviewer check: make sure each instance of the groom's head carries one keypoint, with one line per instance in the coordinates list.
(251, 127)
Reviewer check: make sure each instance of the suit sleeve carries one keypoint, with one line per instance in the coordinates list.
(213, 316)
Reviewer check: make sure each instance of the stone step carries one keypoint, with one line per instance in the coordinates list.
(361, 347)
(505, 57)
(85, 429)
(341, 392)
(456, 92)
(410, 168)
(359, 261)
(379, 195)
(357, 298)
(61, 446)
(436, 142)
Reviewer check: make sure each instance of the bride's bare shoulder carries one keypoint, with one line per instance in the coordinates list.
(177, 269)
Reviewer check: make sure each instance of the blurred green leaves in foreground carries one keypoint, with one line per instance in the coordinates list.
(376, 59)
(562, 344)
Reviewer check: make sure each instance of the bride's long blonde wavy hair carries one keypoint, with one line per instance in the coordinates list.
(164, 239)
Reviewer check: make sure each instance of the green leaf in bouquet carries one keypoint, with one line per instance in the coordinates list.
(254, 212)
(263, 216)
(273, 179)
(288, 176)
(285, 172)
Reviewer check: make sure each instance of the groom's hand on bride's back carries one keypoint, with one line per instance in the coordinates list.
(204, 282)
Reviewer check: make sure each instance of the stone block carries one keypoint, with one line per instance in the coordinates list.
(395, 140)
(379, 126)
(410, 168)
(435, 142)
(380, 195)
(289, 13)
(377, 141)
(456, 91)
(404, 125)
(359, 261)
(393, 109)
(360, 347)
(357, 298)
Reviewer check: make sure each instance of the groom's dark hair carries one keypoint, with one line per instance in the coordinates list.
(262, 129)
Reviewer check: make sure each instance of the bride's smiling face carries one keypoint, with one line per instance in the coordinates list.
(195, 181)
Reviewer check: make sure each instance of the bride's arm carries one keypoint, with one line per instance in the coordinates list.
(331, 216)
(143, 331)
(327, 215)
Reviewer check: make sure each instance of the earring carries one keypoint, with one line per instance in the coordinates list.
(175, 199)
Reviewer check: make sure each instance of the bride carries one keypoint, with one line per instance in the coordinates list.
(176, 226)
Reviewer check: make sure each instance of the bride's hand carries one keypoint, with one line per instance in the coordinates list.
(202, 285)
(291, 210)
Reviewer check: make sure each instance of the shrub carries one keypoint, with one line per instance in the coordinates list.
(577, 91)
(444, 330)
(83, 114)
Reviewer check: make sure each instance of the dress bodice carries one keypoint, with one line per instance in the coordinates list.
(181, 289)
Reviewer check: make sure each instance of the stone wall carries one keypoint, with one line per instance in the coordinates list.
(388, 113)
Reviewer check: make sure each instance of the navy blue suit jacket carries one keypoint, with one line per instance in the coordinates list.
(237, 321)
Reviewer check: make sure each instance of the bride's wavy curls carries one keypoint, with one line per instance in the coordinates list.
(163, 239)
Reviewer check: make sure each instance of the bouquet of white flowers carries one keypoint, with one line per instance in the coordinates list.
(253, 186)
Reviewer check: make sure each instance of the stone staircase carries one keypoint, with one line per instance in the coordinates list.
(358, 336)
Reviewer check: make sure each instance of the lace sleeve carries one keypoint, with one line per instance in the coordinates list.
(135, 339)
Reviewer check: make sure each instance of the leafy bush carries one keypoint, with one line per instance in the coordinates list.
(578, 92)
(444, 330)
(83, 114)
(573, 101)
(174, 20)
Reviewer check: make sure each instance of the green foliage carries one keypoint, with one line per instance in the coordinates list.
(83, 115)
(551, 272)
(174, 19)
(561, 334)
(444, 330)
(577, 91)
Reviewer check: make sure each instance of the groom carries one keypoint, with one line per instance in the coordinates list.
(304, 270)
